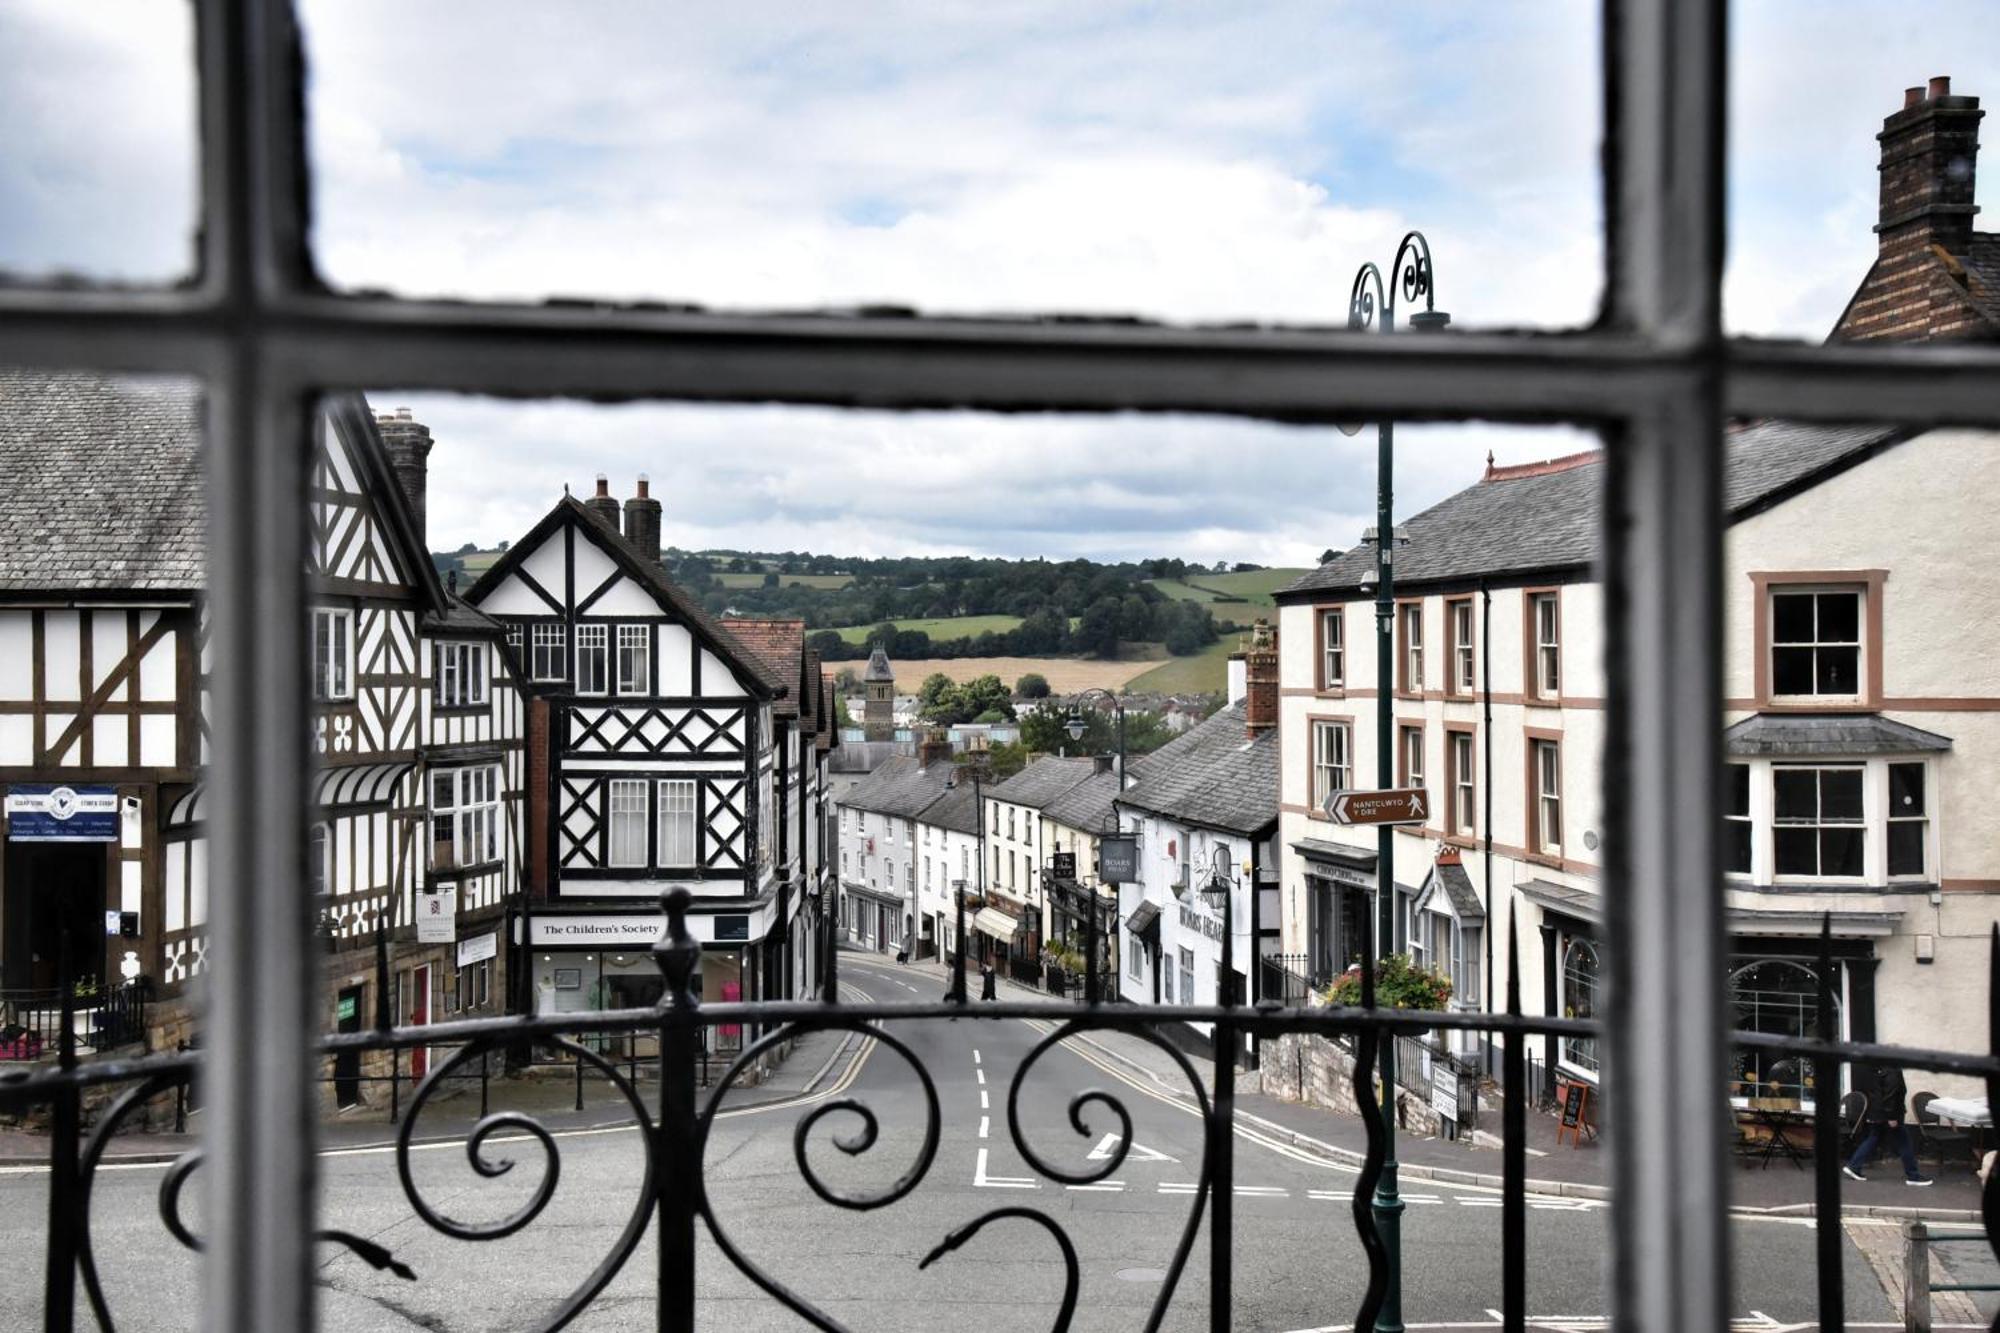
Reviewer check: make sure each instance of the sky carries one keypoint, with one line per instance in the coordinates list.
(1181, 162)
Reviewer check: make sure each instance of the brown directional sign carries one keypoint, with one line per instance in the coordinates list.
(1400, 805)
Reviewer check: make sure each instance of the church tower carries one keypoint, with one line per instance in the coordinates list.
(878, 717)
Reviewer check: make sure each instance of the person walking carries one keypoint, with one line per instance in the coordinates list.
(988, 982)
(1887, 1094)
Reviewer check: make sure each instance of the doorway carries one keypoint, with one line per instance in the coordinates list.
(420, 1016)
(347, 1063)
(53, 888)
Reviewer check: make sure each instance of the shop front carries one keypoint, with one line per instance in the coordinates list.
(583, 962)
(1070, 906)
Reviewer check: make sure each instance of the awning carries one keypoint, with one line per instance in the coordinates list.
(1582, 904)
(996, 923)
(1145, 920)
(1804, 922)
(333, 788)
(1334, 853)
(1450, 887)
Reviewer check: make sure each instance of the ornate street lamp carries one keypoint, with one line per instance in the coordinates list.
(1413, 274)
(1076, 725)
(1219, 893)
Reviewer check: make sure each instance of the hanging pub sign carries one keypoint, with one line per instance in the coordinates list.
(437, 917)
(1062, 865)
(1118, 859)
(44, 812)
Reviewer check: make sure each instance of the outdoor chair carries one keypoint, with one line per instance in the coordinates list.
(1853, 1110)
(1934, 1133)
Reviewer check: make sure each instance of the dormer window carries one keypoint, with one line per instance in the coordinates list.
(1816, 643)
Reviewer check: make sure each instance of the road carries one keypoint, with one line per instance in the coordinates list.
(1297, 1263)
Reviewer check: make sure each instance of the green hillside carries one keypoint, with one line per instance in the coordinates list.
(756, 580)
(1253, 586)
(1205, 672)
(954, 627)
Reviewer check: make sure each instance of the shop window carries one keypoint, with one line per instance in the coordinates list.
(1580, 982)
(1779, 996)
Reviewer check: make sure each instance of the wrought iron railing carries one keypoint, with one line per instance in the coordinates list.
(676, 1125)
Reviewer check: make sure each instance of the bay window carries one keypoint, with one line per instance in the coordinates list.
(1909, 821)
(1736, 826)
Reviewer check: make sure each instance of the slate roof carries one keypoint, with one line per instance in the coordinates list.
(461, 617)
(1518, 521)
(1982, 274)
(902, 786)
(1213, 775)
(1042, 781)
(1089, 804)
(779, 647)
(1452, 881)
(1583, 904)
(103, 484)
(878, 667)
(957, 809)
(1805, 734)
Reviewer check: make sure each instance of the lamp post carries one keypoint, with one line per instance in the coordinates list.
(974, 768)
(1412, 272)
(1076, 725)
(1219, 893)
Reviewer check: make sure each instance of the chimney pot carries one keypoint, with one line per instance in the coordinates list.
(1912, 97)
(1929, 151)
(645, 486)
(642, 521)
(603, 484)
(1941, 86)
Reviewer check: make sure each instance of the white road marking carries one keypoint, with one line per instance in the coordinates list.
(983, 1181)
(1139, 1152)
(1171, 1187)
(1262, 1192)
(1102, 1186)
(982, 1100)
(1328, 1194)
(975, 1055)
(983, 1122)
(982, 1073)
(1481, 1203)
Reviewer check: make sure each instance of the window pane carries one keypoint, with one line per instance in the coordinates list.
(1906, 847)
(1840, 851)
(1839, 670)
(1796, 850)
(1839, 617)
(1736, 790)
(1906, 790)
(1796, 793)
(1180, 163)
(1792, 671)
(1736, 846)
(1792, 618)
(1840, 794)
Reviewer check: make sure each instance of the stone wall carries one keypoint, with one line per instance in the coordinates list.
(1300, 1067)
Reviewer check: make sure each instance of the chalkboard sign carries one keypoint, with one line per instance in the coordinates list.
(1575, 1113)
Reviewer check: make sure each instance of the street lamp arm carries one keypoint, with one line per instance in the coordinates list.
(1362, 302)
(1412, 270)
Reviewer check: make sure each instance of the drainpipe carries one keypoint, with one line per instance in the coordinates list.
(1255, 964)
(1486, 853)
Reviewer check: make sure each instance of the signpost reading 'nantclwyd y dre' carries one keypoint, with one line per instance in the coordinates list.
(1398, 805)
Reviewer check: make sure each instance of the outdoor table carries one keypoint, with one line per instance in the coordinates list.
(1970, 1111)
(1776, 1121)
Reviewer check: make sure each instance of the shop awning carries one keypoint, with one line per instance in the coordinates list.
(995, 923)
(1581, 904)
(1145, 921)
(333, 789)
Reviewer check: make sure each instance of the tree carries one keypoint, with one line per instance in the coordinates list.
(840, 714)
(1097, 633)
(1004, 760)
(466, 549)
(1328, 556)
(770, 579)
(988, 693)
(845, 681)
(505, 545)
(938, 699)
(1033, 685)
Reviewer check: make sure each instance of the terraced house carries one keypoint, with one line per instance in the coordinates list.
(415, 853)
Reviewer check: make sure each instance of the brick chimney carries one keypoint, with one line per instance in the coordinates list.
(935, 748)
(1260, 672)
(602, 504)
(408, 443)
(642, 521)
(1929, 150)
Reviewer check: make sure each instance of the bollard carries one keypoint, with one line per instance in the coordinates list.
(579, 1085)
(1916, 1278)
(485, 1060)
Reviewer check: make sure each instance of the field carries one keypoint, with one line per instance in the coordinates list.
(756, 580)
(1254, 586)
(1064, 674)
(1205, 672)
(478, 562)
(956, 627)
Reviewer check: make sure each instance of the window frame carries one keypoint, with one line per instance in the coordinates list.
(1461, 776)
(637, 641)
(459, 676)
(1461, 676)
(1766, 586)
(666, 790)
(1541, 666)
(1316, 725)
(1924, 820)
(1330, 651)
(1410, 665)
(1654, 371)
(592, 644)
(1820, 824)
(333, 655)
(1543, 747)
(548, 652)
(643, 815)
(473, 816)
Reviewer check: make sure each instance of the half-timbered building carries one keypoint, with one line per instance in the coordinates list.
(415, 851)
(664, 765)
